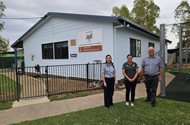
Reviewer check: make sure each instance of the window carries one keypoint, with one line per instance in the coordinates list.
(151, 44)
(47, 51)
(135, 47)
(61, 50)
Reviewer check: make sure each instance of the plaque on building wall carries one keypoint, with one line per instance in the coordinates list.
(73, 55)
(73, 42)
(89, 41)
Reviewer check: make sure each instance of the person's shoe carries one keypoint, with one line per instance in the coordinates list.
(127, 103)
(153, 105)
(146, 100)
(107, 107)
(132, 105)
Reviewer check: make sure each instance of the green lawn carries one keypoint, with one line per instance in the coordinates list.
(8, 88)
(167, 112)
(5, 105)
(176, 70)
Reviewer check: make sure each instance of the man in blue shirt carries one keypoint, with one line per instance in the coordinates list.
(151, 68)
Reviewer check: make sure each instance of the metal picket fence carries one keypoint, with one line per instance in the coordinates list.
(28, 82)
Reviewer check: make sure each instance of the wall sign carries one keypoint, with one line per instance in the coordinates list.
(73, 42)
(89, 41)
(73, 55)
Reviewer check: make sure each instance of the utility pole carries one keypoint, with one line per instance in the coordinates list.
(180, 49)
(162, 56)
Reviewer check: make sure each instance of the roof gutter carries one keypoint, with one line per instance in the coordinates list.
(137, 26)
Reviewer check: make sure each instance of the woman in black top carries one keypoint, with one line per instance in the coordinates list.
(130, 72)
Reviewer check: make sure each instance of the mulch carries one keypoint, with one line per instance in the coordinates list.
(178, 89)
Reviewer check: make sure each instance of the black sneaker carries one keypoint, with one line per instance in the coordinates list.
(153, 105)
(146, 100)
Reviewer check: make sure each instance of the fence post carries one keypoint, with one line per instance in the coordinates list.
(87, 73)
(47, 93)
(17, 85)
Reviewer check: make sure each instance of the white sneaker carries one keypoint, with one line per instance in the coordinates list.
(132, 105)
(127, 103)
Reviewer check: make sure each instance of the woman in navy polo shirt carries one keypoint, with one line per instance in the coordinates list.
(130, 72)
(109, 79)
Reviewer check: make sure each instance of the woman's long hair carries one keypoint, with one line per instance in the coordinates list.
(111, 60)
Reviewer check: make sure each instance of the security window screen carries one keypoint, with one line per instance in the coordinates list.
(47, 51)
(135, 47)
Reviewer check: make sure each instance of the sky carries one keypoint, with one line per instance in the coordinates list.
(13, 29)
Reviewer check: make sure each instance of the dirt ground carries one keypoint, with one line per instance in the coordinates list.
(177, 64)
(58, 84)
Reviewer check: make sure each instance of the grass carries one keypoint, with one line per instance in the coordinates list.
(177, 70)
(55, 97)
(5, 105)
(167, 112)
(8, 88)
(5, 70)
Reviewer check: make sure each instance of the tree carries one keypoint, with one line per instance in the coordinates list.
(4, 45)
(123, 11)
(144, 13)
(182, 16)
(2, 9)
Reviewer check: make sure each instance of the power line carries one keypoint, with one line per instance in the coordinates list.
(177, 23)
(21, 18)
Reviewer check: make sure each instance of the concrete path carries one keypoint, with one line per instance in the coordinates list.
(45, 109)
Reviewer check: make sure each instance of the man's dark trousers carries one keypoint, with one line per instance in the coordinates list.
(151, 87)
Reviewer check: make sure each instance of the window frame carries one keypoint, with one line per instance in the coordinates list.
(61, 50)
(134, 55)
(47, 52)
(53, 49)
(149, 44)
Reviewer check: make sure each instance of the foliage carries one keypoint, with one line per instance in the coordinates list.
(144, 13)
(2, 9)
(5, 105)
(123, 11)
(4, 45)
(182, 16)
(167, 112)
(8, 88)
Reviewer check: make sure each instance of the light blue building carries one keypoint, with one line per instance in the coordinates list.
(63, 38)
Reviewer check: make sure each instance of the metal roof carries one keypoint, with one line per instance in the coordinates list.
(118, 20)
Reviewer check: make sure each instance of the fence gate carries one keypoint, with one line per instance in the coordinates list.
(31, 82)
